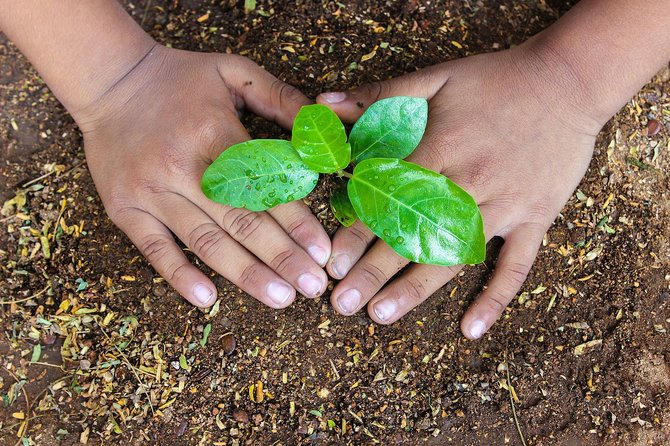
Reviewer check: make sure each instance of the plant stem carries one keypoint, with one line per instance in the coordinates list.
(342, 173)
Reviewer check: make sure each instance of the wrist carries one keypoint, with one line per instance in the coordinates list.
(79, 48)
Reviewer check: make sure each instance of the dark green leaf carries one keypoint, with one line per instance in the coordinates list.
(390, 128)
(341, 206)
(258, 175)
(319, 137)
(422, 215)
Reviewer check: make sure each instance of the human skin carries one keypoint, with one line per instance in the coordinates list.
(516, 129)
(153, 119)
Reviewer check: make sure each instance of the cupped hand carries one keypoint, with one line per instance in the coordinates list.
(507, 128)
(148, 140)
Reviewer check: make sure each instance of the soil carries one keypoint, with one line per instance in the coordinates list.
(581, 357)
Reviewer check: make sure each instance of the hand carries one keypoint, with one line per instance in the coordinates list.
(506, 128)
(148, 140)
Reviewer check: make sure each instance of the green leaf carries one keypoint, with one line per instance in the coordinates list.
(37, 352)
(390, 128)
(319, 137)
(341, 206)
(422, 215)
(183, 363)
(205, 334)
(258, 175)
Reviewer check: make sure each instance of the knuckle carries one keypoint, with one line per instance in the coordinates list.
(154, 247)
(413, 289)
(205, 240)
(241, 224)
(282, 261)
(285, 93)
(515, 275)
(372, 275)
(250, 276)
(376, 90)
(495, 301)
(298, 229)
(360, 236)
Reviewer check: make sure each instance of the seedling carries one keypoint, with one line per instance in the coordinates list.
(421, 214)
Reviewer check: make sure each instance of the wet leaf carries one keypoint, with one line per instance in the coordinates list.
(341, 206)
(422, 215)
(258, 175)
(319, 137)
(390, 128)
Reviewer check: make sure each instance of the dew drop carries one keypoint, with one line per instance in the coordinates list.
(272, 194)
(392, 187)
(372, 224)
(400, 239)
(387, 232)
(258, 186)
(248, 172)
(289, 166)
(283, 178)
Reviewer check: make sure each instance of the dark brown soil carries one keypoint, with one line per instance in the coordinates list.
(586, 343)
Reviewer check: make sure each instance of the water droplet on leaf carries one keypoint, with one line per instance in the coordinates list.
(400, 239)
(387, 232)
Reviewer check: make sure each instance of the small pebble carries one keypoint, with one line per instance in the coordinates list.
(653, 127)
(240, 416)
(229, 343)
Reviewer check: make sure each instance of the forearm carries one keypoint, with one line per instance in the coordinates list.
(607, 54)
(80, 48)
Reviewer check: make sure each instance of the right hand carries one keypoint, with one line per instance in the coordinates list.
(148, 140)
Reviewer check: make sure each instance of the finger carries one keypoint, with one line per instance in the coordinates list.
(514, 262)
(416, 285)
(366, 278)
(349, 245)
(262, 93)
(419, 282)
(217, 249)
(259, 233)
(304, 228)
(351, 104)
(156, 243)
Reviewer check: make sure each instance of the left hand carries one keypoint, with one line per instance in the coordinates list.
(507, 127)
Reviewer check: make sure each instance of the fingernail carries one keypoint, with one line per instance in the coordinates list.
(279, 292)
(385, 309)
(203, 294)
(349, 300)
(341, 265)
(309, 284)
(477, 329)
(319, 254)
(333, 97)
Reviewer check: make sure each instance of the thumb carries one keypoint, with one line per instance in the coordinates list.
(350, 105)
(261, 92)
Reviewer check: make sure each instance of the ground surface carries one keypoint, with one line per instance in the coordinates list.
(585, 344)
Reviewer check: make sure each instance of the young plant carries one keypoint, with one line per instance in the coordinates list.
(421, 214)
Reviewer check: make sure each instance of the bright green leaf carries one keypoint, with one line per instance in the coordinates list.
(341, 206)
(390, 128)
(183, 363)
(205, 334)
(422, 215)
(258, 175)
(319, 137)
(37, 352)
